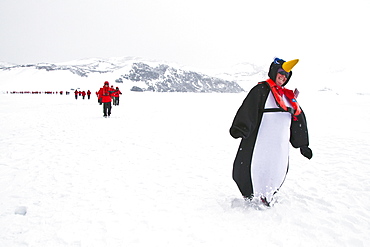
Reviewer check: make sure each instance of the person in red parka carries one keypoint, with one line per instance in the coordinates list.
(106, 98)
(88, 94)
(116, 94)
(76, 94)
(83, 94)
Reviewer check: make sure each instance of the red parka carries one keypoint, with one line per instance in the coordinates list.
(104, 94)
(117, 93)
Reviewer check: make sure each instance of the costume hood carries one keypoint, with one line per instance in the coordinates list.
(281, 64)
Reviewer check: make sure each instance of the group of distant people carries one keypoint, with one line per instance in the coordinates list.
(83, 94)
(106, 95)
(37, 92)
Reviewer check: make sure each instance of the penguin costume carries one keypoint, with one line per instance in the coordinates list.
(268, 119)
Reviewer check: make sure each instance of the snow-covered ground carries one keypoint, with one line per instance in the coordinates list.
(158, 173)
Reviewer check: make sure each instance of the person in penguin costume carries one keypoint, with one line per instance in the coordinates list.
(267, 121)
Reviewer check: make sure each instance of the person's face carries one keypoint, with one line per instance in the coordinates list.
(280, 79)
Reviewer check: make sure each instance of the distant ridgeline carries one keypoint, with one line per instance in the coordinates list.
(164, 78)
(75, 69)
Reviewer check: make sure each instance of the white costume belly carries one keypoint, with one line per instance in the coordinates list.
(271, 152)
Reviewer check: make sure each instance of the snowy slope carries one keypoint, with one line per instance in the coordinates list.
(158, 173)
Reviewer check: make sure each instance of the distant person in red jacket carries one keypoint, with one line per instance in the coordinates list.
(83, 94)
(76, 94)
(116, 94)
(88, 94)
(106, 98)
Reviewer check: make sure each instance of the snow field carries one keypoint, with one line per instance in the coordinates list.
(158, 173)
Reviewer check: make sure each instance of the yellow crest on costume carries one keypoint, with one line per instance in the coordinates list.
(288, 66)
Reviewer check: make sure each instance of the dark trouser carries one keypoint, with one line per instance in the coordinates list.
(76, 96)
(107, 107)
(116, 100)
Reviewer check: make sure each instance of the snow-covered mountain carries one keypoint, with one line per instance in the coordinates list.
(82, 68)
(164, 78)
(130, 73)
(138, 74)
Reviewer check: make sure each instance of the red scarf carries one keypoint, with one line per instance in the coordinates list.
(278, 92)
(287, 92)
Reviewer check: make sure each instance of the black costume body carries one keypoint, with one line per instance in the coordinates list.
(260, 160)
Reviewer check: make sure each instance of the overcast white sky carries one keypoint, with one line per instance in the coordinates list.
(200, 33)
